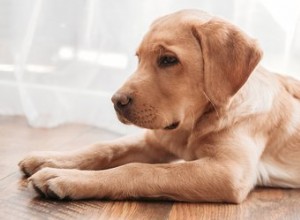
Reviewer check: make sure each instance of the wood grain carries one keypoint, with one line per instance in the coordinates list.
(17, 201)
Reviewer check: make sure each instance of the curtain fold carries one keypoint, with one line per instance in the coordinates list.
(61, 60)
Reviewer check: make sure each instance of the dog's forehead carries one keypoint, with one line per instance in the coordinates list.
(181, 18)
(173, 28)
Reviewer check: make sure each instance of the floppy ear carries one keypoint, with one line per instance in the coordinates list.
(229, 57)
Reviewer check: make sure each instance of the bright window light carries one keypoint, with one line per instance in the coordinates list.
(114, 60)
(66, 53)
(87, 55)
(29, 68)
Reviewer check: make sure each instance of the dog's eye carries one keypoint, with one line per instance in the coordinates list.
(166, 61)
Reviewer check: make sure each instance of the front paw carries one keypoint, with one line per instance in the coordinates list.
(38, 160)
(49, 183)
(63, 183)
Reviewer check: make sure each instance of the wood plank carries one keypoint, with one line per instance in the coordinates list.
(18, 139)
(261, 204)
(134, 210)
(19, 202)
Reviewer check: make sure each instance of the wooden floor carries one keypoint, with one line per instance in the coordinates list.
(19, 202)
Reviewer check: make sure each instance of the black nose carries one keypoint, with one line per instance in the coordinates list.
(121, 101)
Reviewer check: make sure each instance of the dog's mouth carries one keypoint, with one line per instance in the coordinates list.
(123, 119)
(172, 126)
(126, 119)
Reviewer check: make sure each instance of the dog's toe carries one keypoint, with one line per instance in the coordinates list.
(38, 190)
(26, 173)
(52, 194)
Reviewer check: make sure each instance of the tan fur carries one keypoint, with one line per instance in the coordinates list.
(239, 124)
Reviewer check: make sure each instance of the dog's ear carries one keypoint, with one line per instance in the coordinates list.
(229, 57)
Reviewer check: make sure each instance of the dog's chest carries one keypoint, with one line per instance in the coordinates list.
(179, 145)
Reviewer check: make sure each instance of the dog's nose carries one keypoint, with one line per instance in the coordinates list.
(121, 100)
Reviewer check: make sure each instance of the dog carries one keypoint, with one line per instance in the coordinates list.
(203, 98)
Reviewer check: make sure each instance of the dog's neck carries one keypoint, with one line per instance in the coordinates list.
(256, 96)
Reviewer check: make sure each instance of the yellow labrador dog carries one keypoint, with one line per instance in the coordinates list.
(199, 91)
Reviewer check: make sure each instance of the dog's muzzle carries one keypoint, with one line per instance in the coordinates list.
(122, 102)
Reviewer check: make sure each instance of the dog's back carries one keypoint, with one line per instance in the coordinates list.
(280, 161)
(291, 85)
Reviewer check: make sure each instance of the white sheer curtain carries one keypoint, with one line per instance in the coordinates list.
(61, 60)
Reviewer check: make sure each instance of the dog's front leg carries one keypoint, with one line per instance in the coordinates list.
(201, 180)
(105, 155)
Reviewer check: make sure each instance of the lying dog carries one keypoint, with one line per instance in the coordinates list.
(199, 91)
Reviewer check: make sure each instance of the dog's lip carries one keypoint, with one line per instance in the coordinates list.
(122, 118)
(172, 126)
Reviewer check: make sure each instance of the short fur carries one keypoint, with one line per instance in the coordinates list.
(238, 125)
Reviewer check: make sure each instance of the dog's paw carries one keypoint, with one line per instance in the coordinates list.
(38, 160)
(61, 183)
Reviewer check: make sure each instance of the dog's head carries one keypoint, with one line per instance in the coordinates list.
(187, 61)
